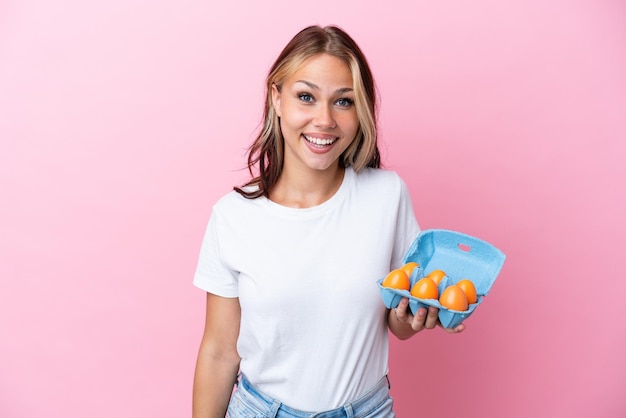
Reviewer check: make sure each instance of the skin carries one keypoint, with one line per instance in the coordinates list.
(404, 325)
(218, 362)
(316, 102)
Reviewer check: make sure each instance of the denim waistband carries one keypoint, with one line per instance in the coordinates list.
(374, 397)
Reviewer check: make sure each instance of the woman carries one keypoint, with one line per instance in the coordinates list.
(291, 259)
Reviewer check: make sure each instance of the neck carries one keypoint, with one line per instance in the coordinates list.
(306, 189)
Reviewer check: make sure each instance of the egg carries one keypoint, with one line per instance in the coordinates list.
(397, 279)
(467, 286)
(437, 276)
(409, 267)
(454, 298)
(425, 288)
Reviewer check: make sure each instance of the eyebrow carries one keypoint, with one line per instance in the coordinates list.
(316, 87)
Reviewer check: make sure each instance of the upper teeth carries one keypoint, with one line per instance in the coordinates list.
(320, 141)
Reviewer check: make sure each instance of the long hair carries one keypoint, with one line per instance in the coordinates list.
(267, 151)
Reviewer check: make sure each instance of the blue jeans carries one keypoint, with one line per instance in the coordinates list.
(249, 402)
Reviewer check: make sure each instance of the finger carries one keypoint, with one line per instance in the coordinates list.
(432, 318)
(403, 313)
(419, 319)
(455, 330)
(458, 328)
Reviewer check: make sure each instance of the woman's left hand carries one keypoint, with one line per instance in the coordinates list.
(425, 318)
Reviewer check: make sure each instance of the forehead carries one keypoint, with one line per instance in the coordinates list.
(323, 69)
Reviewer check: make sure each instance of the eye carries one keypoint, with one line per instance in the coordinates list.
(344, 102)
(306, 97)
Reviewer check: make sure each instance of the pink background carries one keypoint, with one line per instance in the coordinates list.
(121, 122)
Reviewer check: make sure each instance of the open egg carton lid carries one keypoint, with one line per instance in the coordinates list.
(459, 255)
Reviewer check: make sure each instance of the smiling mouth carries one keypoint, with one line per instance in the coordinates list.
(320, 142)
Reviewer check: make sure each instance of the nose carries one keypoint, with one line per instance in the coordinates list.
(324, 117)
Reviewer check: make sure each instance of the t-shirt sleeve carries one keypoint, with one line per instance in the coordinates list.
(212, 273)
(407, 227)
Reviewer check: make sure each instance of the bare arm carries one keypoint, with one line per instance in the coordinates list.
(218, 361)
(404, 325)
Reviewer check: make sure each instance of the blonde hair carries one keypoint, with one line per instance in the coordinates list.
(268, 149)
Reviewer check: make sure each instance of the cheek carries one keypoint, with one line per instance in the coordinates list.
(350, 124)
(294, 119)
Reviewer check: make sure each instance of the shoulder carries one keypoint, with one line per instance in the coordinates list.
(235, 203)
(379, 178)
(373, 187)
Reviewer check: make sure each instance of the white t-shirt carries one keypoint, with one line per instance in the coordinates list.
(313, 330)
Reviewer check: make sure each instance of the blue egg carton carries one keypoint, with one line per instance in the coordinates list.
(460, 256)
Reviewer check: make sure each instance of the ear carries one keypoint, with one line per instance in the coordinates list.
(276, 99)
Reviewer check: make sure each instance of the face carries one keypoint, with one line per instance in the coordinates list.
(317, 114)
